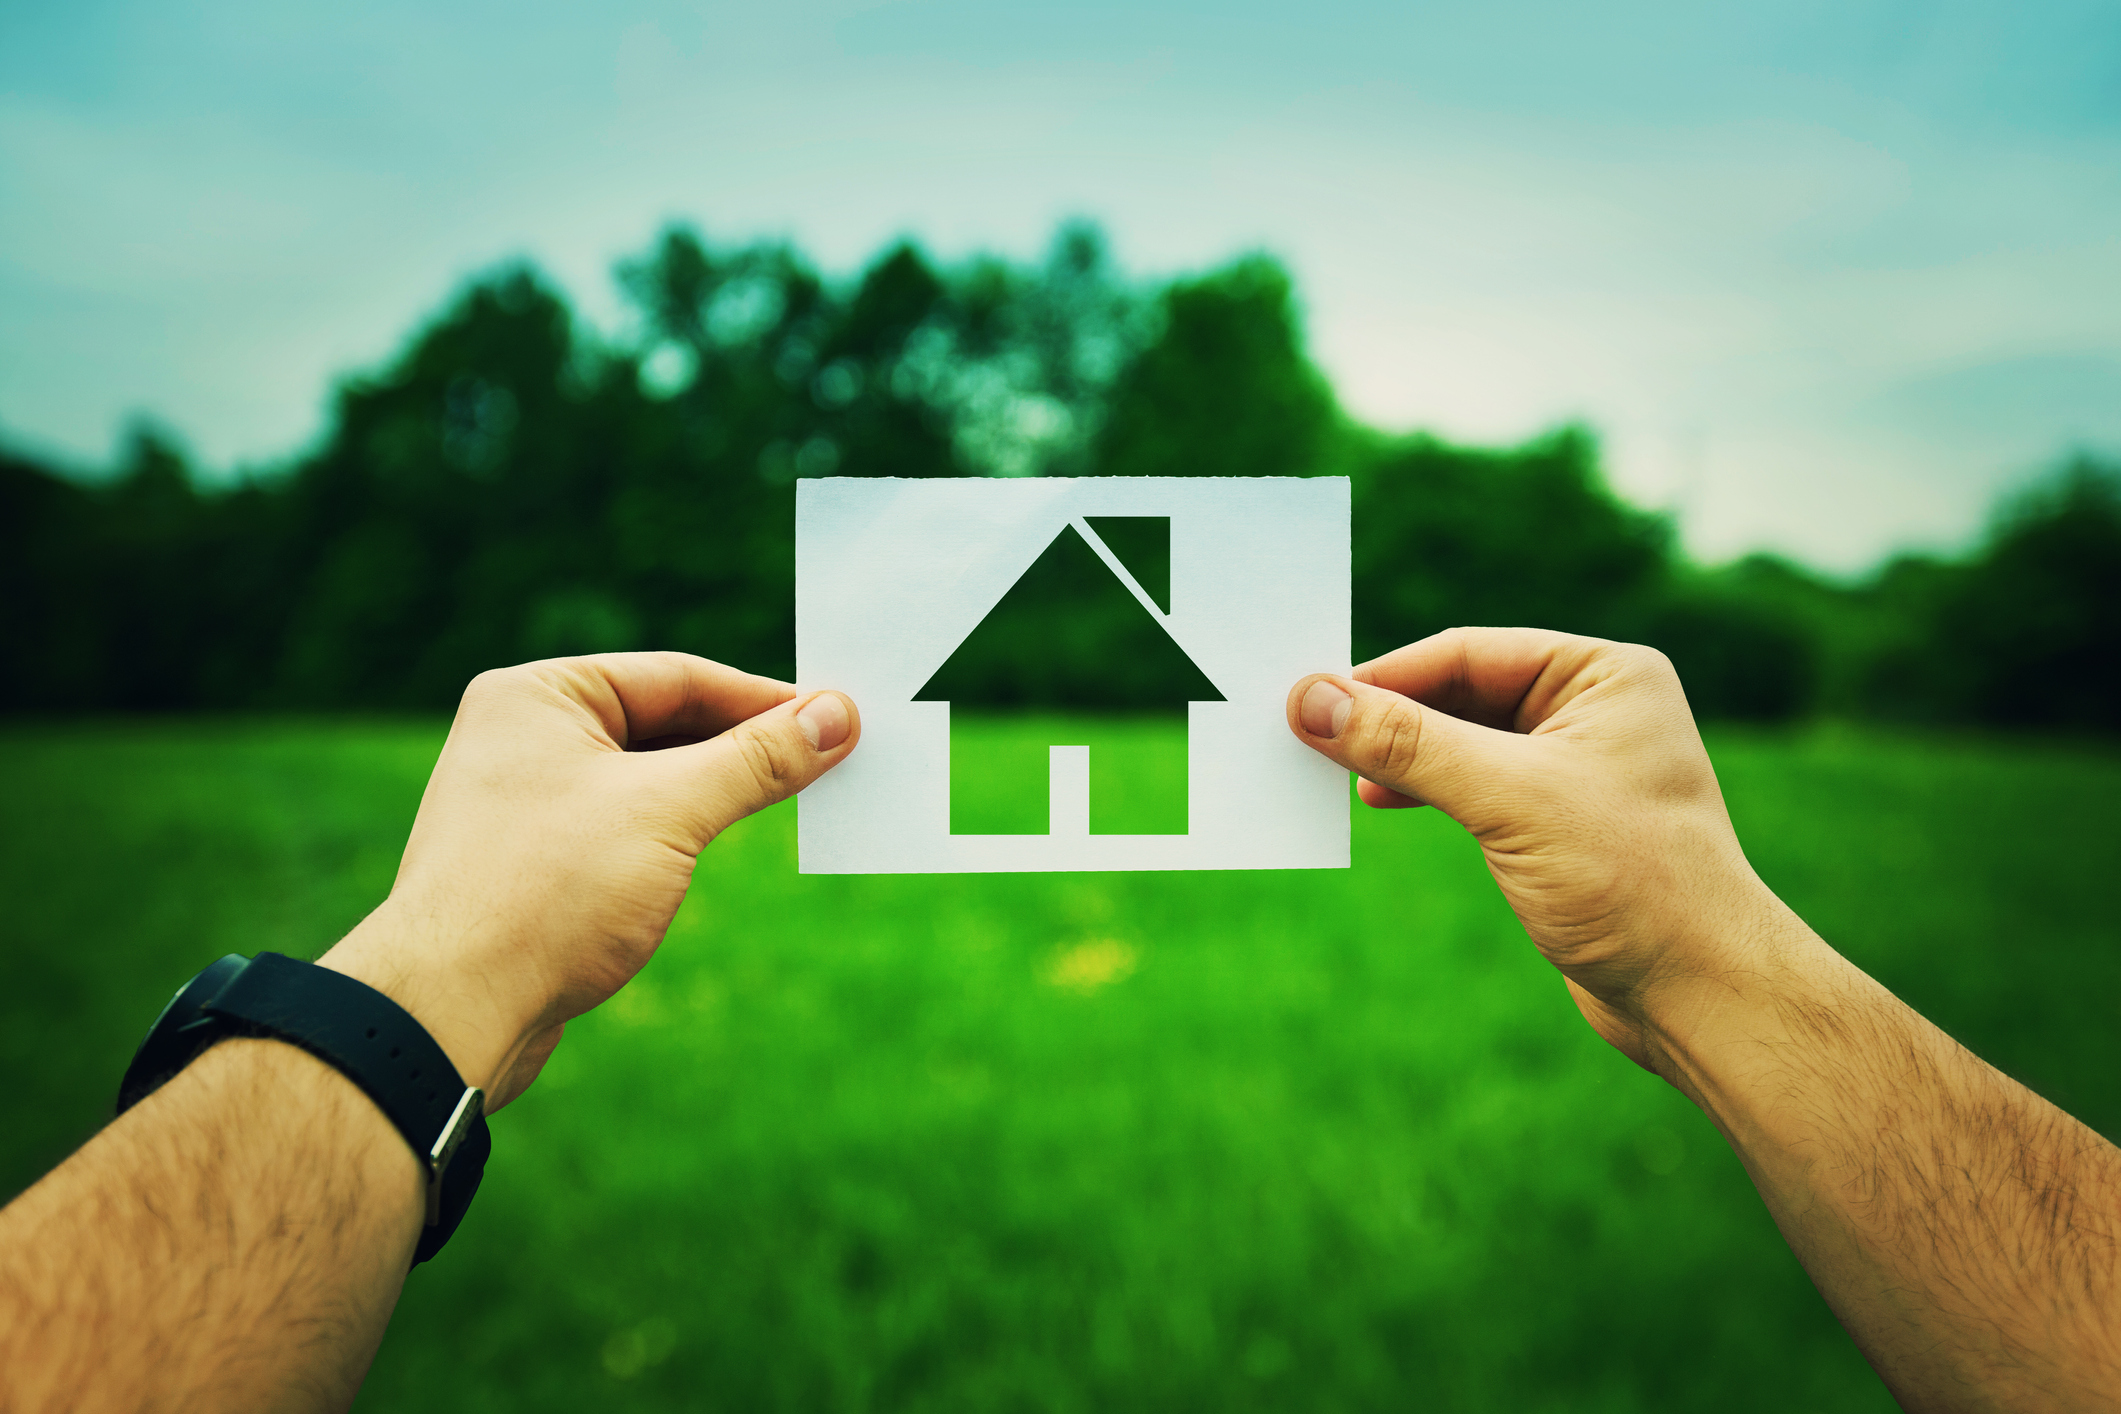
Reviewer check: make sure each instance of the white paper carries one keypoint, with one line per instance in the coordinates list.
(891, 575)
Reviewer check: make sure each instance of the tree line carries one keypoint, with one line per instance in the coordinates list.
(514, 486)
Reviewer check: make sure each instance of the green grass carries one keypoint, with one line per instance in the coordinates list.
(1000, 771)
(1275, 1141)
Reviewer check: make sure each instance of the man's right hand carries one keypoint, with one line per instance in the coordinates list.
(1576, 765)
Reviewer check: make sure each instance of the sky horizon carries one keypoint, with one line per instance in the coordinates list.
(1825, 280)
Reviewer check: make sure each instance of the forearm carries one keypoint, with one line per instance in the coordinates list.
(1963, 1229)
(236, 1240)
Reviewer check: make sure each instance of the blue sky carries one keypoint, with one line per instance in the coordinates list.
(1825, 276)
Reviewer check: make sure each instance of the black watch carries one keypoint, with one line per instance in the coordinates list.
(355, 1029)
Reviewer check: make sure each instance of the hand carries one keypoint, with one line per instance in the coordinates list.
(1576, 764)
(558, 834)
(238, 1238)
(1960, 1226)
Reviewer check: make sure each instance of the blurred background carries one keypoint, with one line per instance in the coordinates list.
(347, 351)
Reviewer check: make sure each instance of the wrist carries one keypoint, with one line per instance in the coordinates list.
(476, 1019)
(1728, 1034)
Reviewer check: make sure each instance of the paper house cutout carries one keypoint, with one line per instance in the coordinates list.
(1247, 577)
(1132, 663)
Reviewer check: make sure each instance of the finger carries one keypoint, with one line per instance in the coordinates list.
(1379, 797)
(644, 697)
(1511, 678)
(1395, 742)
(760, 762)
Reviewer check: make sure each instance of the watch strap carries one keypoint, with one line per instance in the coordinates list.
(356, 1030)
(178, 1033)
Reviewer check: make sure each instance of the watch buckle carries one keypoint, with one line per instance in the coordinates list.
(470, 1106)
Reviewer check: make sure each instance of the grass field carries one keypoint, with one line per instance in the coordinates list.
(1274, 1141)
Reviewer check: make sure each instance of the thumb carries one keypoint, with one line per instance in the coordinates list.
(1425, 755)
(762, 760)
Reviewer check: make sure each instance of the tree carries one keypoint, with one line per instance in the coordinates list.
(1531, 536)
(2032, 631)
(1225, 389)
(511, 486)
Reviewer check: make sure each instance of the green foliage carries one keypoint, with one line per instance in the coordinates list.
(2034, 624)
(1225, 390)
(1451, 535)
(1283, 1140)
(1742, 655)
(51, 639)
(2025, 632)
(139, 593)
(1143, 545)
(510, 487)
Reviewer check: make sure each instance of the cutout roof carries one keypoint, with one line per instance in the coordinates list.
(1068, 632)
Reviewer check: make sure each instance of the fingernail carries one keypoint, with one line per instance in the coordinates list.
(824, 721)
(1325, 709)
